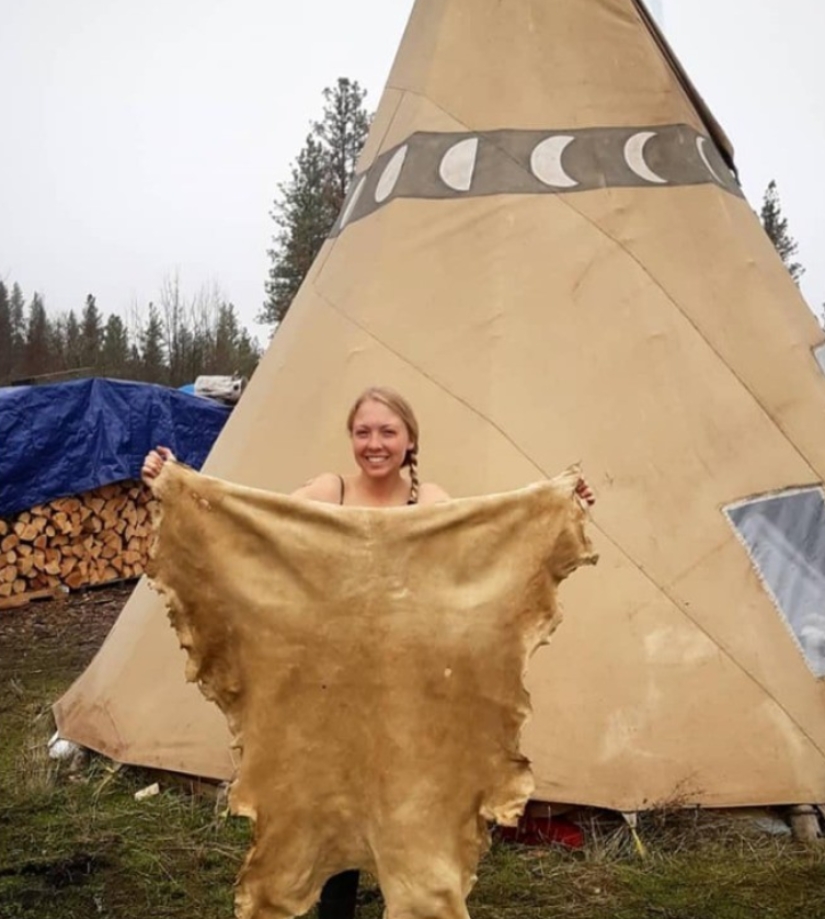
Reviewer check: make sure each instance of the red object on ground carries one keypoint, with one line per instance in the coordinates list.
(543, 831)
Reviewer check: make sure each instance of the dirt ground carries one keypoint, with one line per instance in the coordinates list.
(66, 631)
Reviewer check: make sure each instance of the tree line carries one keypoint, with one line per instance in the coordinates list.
(175, 341)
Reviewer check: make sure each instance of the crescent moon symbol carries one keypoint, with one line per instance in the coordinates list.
(352, 202)
(634, 154)
(458, 164)
(545, 161)
(390, 174)
(700, 146)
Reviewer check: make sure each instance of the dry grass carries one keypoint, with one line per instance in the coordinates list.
(36, 772)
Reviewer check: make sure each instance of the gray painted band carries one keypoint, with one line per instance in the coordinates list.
(503, 165)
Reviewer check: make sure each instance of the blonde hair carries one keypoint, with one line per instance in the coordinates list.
(397, 404)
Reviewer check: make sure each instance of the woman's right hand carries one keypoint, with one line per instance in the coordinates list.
(153, 464)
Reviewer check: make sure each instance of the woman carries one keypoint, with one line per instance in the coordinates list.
(384, 435)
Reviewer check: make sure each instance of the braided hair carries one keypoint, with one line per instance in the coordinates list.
(411, 460)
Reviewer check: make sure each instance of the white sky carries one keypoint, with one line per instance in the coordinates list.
(141, 139)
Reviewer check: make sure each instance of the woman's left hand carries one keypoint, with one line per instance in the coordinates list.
(585, 492)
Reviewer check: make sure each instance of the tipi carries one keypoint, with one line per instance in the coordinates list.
(546, 250)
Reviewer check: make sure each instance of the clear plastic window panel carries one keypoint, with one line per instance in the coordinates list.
(785, 538)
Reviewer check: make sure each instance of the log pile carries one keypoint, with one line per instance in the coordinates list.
(102, 535)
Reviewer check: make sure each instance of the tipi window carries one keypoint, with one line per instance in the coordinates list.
(785, 538)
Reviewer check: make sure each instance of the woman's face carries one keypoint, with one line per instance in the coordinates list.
(380, 439)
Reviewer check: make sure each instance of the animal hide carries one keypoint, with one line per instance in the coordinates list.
(370, 665)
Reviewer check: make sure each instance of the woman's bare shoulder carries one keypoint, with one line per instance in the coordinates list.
(325, 487)
(430, 493)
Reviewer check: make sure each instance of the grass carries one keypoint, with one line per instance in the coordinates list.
(80, 845)
(698, 866)
(76, 843)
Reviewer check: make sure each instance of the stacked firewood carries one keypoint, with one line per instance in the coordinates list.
(102, 535)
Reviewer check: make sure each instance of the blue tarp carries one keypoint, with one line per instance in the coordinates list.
(68, 438)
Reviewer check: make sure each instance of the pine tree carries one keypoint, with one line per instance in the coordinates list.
(225, 340)
(71, 350)
(37, 353)
(57, 343)
(305, 214)
(235, 352)
(776, 226)
(91, 333)
(342, 132)
(187, 357)
(114, 354)
(5, 335)
(307, 205)
(199, 352)
(135, 362)
(152, 357)
(17, 317)
(247, 355)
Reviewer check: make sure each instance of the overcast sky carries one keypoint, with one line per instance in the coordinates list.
(140, 140)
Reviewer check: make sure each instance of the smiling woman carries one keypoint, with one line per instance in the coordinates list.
(385, 442)
(384, 434)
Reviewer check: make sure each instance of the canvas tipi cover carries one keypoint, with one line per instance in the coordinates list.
(545, 249)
